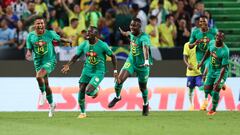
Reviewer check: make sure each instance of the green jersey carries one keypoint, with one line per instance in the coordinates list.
(219, 57)
(42, 46)
(197, 34)
(136, 48)
(95, 56)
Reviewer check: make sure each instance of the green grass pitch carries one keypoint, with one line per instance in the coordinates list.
(120, 123)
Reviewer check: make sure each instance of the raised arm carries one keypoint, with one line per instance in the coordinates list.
(124, 33)
(65, 6)
(66, 67)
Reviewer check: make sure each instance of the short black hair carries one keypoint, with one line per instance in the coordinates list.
(137, 20)
(161, 2)
(95, 29)
(73, 19)
(39, 18)
(168, 16)
(203, 16)
(152, 17)
(135, 6)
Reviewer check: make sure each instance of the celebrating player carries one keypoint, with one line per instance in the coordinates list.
(94, 67)
(138, 61)
(40, 43)
(201, 37)
(194, 77)
(217, 70)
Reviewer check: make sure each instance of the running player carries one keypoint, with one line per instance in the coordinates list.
(94, 66)
(138, 61)
(201, 37)
(40, 43)
(217, 70)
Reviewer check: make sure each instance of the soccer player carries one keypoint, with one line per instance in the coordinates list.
(194, 77)
(201, 37)
(94, 68)
(39, 42)
(138, 61)
(217, 70)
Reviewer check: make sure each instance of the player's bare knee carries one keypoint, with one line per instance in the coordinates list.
(208, 87)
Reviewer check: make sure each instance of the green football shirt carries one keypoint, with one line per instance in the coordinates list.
(95, 56)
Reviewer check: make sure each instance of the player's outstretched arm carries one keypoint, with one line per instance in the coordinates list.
(66, 67)
(206, 55)
(28, 55)
(146, 55)
(197, 42)
(115, 71)
(124, 33)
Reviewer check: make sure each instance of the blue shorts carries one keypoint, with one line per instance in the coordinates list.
(193, 81)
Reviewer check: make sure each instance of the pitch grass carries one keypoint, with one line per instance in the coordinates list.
(120, 123)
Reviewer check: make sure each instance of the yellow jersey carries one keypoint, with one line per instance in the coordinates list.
(192, 60)
(154, 40)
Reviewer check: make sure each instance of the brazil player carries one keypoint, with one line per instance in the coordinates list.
(194, 77)
(40, 43)
(138, 61)
(217, 70)
(201, 37)
(94, 68)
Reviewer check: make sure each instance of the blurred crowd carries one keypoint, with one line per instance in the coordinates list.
(168, 22)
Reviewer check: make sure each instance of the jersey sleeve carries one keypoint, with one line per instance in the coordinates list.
(146, 41)
(225, 58)
(186, 49)
(107, 49)
(80, 48)
(55, 35)
(28, 42)
(192, 38)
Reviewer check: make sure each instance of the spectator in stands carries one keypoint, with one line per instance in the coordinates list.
(170, 6)
(93, 15)
(152, 30)
(142, 4)
(19, 7)
(189, 6)
(104, 33)
(183, 32)
(198, 11)
(60, 11)
(122, 20)
(211, 22)
(2, 14)
(85, 4)
(55, 23)
(6, 34)
(72, 32)
(75, 13)
(20, 36)
(11, 17)
(42, 9)
(82, 36)
(29, 16)
(167, 32)
(196, 25)
(182, 14)
(160, 12)
(138, 13)
(6, 3)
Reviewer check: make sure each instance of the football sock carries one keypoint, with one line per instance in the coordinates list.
(50, 98)
(215, 99)
(118, 88)
(42, 88)
(145, 96)
(191, 94)
(201, 88)
(206, 93)
(81, 101)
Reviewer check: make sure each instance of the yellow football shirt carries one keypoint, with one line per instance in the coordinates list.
(192, 60)
(154, 40)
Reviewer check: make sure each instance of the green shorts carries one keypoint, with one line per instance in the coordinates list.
(142, 72)
(93, 79)
(48, 66)
(210, 81)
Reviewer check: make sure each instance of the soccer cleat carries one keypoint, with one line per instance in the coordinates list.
(42, 99)
(204, 105)
(82, 115)
(212, 112)
(113, 102)
(145, 110)
(51, 110)
(191, 108)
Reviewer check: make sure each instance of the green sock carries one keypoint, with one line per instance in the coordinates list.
(42, 88)
(118, 88)
(207, 92)
(81, 101)
(50, 98)
(145, 96)
(215, 99)
(92, 93)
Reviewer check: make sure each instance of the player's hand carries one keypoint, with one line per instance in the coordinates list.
(190, 67)
(197, 42)
(65, 69)
(146, 64)
(124, 33)
(28, 56)
(199, 65)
